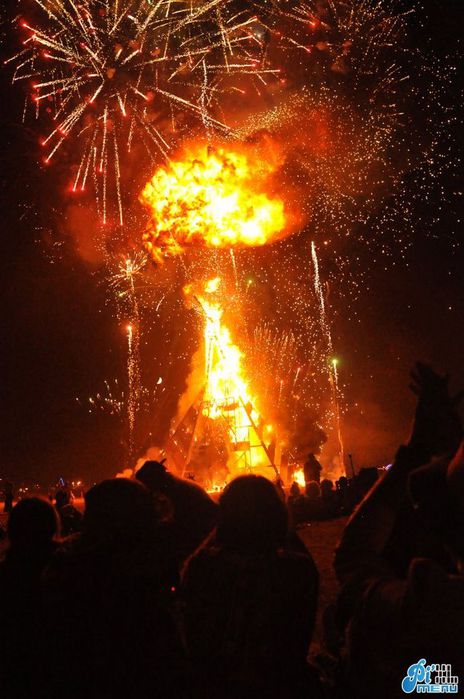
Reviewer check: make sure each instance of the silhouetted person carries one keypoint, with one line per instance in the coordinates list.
(8, 495)
(313, 502)
(329, 499)
(363, 481)
(71, 518)
(312, 469)
(193, 513)
(345, 495)
(249, 603)
(62, 496)
(296, 505)
(32, 527)
(393, 621)
(109, 628)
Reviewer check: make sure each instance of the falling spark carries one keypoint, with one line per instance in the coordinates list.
(331, 362)
(159, 74)
(133, 376)
(321, 300)
(124, 278)
(234, 265)
(336, 392)
(127, 69)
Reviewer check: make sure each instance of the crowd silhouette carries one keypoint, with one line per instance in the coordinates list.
(158, 591)
(326, 500)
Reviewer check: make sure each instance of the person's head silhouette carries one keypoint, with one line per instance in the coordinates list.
(33, 522)
(118, 507)
(153, 474)
(252, 516)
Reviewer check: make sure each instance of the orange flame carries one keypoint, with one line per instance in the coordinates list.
(299, 477)
(223, 358)
(213, 197)
(227, 396)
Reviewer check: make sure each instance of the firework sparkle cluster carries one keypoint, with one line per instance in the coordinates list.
(355, 111)
(111, 74)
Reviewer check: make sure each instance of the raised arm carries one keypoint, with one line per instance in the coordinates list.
(436, 432)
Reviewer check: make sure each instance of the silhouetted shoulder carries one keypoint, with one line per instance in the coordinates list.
(298, 567)
(191, 490)
(428, 584)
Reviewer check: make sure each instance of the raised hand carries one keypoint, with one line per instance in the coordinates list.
(437, 428)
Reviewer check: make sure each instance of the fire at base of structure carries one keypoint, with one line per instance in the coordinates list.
(221, 434)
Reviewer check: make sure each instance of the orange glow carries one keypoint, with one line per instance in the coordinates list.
(299, 477)
(227, 397)
(223, 358)
(213, 197)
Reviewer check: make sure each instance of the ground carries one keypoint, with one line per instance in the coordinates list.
(321, 538)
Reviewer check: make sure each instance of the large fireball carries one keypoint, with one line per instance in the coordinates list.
(213, 197)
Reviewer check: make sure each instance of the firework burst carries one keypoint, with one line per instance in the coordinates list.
(114, 73)
(123, 280)
(336, 87)
(109, 400)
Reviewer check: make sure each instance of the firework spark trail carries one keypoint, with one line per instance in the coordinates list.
(331, 362)
(134, 384)
(116, 77)
(129, 68)
(123, 280)
(352, 69)
(351, 37)
(340, 160)
(297, 373)
(234, 265)
(280, 392)
(336, 393)
(272, 363)
(325, 327)
(123, 283)
(109, 400)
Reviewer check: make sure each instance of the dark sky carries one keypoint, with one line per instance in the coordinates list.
(60, 338)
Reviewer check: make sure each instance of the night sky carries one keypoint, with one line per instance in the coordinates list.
(60, 337)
